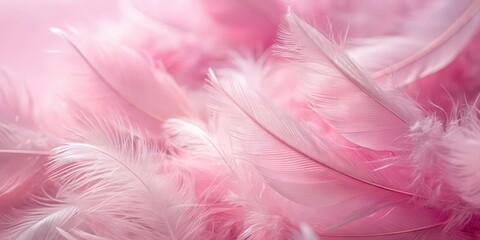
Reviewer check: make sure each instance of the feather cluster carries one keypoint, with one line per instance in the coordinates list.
(222, 119)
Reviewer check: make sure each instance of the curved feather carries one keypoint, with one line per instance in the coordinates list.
(130, 80)
(308, 170)
(342, 93)
(427, 42)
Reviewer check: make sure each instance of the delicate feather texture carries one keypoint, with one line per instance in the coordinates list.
(463, 175)
(427, 42)
(109, 166)
(264, 213)
(302, 168)
(442, 167)
(344, 94)
(427, 149)
(173, 120)
(38, 223)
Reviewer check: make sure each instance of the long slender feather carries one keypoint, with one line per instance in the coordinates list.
(344, 94)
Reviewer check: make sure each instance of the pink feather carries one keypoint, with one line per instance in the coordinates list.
(344, 94)
(174, 120)
(304, 169)
(117, 70)
(426, 43)
(120, 181)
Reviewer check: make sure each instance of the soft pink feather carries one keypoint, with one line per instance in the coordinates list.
(306, 170)
(121, 182)
(342, 93)
(128, 81)
(426, 42)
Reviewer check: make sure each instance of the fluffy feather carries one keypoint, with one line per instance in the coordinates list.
(117, 175)
(442, 167)
(462, 138)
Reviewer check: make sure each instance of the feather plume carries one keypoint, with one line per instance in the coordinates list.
(426, 43)
(462, 139)
(342, 93)
(441, 166)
